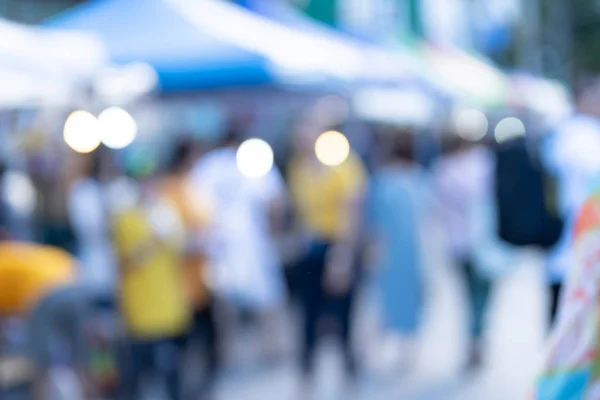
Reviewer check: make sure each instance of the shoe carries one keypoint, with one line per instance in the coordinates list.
(475, 359)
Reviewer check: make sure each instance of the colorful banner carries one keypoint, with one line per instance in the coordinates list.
(572, 365)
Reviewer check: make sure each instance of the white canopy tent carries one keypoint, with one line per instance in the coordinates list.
(408, 106)
(300, 52)
(41, 66)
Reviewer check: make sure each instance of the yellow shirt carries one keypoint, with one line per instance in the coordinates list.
(28, 272)
(152, 301)
(322, 194)
(194, 213)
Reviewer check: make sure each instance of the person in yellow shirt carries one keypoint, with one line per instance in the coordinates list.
(148, 240)
(328, 205)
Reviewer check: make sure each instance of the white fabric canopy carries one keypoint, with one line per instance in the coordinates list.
(45, 66)
(294, 51)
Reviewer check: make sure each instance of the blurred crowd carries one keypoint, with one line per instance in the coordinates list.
(122, 270)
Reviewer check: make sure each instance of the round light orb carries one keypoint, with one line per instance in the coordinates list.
(117, 127)
(20, 193)
(509, 128)
(81, 132)
(254, 158)
(332, 148)
(471, 125)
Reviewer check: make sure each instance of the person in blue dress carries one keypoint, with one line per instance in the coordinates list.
(397, 197)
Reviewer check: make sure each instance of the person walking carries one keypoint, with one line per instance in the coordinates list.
(194, 210)
(462, 180)
(570, 154)
(397, 205)
(328, 202)
(243, 265)
(148, 239)
(89, 218)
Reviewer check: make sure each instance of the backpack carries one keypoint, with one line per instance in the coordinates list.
(526, 196)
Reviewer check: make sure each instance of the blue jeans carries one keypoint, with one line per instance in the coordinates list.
(478, 290)
(160, 356)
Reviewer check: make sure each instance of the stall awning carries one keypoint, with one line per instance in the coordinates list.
(43, 66)
(467, 77)
(298, 44)
(154, 32)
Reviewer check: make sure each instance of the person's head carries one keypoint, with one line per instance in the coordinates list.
(306, 130)
(182, 157)
(141, 167)
(453, 143)
(400, 146)
(94, 167)
(232, 138)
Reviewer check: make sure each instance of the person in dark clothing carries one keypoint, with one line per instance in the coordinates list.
(195, 219)
(329, 204)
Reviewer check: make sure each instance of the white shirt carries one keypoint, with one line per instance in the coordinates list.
(243, 257)
(572, 154)
(462, 181)
(88, 216)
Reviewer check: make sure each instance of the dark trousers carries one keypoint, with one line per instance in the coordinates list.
(316, 303)
(478, 294)
(204, 331)
(554, 292)
(161, 357)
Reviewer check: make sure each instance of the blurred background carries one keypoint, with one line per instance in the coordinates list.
(289, 199)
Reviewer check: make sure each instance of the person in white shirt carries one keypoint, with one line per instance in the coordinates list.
(462, 180)
(243, 264)
(571, 154)
(88, 214)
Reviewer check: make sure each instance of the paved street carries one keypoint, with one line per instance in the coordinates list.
(516, 332)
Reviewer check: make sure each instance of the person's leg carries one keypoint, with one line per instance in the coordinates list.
(169, 363)
(312, 303)
(312, 311)
(344, 315)
(140, 360)
(205, 327)
(555, 289)
(478, 289)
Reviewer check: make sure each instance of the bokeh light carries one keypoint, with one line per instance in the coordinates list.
(20, 193)
(117, 127)
(332, 148)
(255, 158)
(509, 128)
(471, 125)
(81, 132)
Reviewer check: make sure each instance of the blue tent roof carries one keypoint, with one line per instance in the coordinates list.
(152, 31)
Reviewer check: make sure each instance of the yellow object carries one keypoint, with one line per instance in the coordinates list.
(194, 213)
(322, 194)
(152, 301)
(28, 272)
